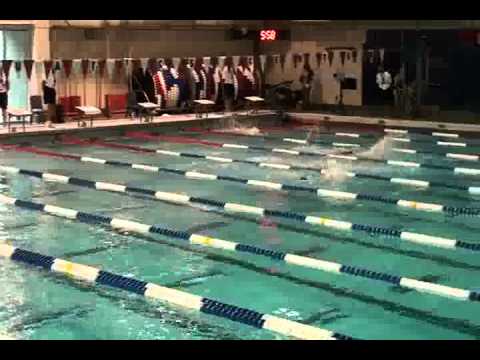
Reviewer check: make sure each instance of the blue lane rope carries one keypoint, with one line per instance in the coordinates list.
(292, 259)
(183, 199)
(176, 297)
(275, 186)
(455, 170)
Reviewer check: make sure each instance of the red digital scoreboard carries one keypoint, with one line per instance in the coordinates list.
(268, 35)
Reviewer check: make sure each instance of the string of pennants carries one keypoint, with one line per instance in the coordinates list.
(116, 66)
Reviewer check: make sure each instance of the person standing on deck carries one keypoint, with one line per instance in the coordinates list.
(228, 84)
(306, 79)
(4, 87)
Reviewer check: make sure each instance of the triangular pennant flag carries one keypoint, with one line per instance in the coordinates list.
(342, 57)
(67, 67)
(6, 67)
(318, 57)
(295, 60)
(331, 55)
(282, 61)
(382, 54)
(110, 67)
(263, 61)
(101, 67)
(40, 69)
(349, 54)
(354, 56)
(18, 66)
(306, 58)
(28, 67)
(324, 57)
(48, 67)
(85, 63)
(276, 59)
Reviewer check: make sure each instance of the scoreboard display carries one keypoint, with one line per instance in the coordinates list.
(268, 35)
(263, 35)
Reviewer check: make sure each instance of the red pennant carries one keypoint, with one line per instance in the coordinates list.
(48, 64)
(28, 67)
(342, 57)
(67, 67)
(6, 67)
(331, 54)
(85, 63)
(101, 67)
(319, 58)
(306, 58)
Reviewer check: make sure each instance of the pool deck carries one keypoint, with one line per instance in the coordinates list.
(313, 118)
(123, 124)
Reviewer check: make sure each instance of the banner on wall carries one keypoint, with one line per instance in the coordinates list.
(48, 64)
(67, 67)
(318, 57)
(28, 67)
(331, 56)
(6, 64)
(85, 63)
(342, 57)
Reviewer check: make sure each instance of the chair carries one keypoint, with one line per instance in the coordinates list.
(115, 104)
(36, 107)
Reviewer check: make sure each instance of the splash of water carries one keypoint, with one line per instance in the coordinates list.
(377, 151)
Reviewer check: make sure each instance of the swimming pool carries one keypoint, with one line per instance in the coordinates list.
(41, 305)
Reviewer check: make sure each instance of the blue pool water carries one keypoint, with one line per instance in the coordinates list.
(38, 305)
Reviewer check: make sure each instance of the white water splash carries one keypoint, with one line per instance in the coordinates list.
(377, 151)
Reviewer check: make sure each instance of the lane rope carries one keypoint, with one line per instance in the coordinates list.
(185, 199)
(335, 157)
(180, 298)
(259, 183)
(292, 259)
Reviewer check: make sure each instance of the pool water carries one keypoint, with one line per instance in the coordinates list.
(40, 305)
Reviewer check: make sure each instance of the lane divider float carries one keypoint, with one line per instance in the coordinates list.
(180, 298)
(292, 259)
(455, 170)
(183, 139)
(185, 199)
(289, 140)
(455, 156)
(475, 190)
